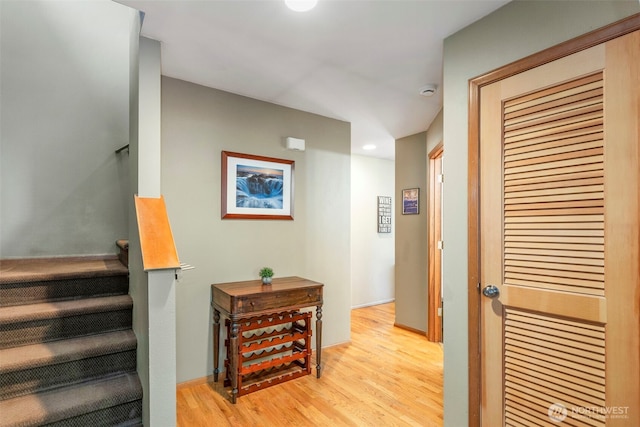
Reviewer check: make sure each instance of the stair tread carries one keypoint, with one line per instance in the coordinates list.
(49, 310)
(54, 352)
(40, 269)
(66, 402)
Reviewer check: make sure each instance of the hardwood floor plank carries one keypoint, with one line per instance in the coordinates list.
(386, 376)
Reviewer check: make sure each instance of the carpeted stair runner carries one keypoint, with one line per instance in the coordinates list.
(28, 324)
(78, 402)
(67, 351)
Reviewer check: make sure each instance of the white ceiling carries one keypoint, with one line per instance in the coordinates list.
(361, 61)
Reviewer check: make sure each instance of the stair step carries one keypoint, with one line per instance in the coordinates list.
(60, 290)
(105, 402)
(27, 281)
(28, 324)
(37, 367)
(32, 269)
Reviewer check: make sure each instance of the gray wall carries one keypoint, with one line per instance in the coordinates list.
(411, 234)
(197, 124)
(64, 81)
(372, 253)
(412, 244)
(516, 30)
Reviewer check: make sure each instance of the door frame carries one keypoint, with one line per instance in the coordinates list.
(434, 295)
(593, 38)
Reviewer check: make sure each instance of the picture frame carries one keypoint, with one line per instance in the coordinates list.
(256, 187)
(411, 201)
(384, 214)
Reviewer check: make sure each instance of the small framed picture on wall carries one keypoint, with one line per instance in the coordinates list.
(411, 201)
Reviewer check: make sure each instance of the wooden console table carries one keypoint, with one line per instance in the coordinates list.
(239, 301)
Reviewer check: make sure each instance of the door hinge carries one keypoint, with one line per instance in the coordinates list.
(440, 178)
(439, 311)
(441, 244)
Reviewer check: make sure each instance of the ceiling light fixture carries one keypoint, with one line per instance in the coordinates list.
(369, 147)
(301, 5)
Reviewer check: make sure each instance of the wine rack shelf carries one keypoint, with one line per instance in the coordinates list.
(272, 349)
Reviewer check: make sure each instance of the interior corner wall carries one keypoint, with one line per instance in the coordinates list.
(411, 245)
(514, 31)
(198, 123)
(372, 253)
(64, 78)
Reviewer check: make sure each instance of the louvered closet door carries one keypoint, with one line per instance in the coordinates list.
(560, 172)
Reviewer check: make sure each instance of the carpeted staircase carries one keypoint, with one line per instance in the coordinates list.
(67, 351)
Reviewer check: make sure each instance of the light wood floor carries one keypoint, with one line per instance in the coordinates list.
(386, 376)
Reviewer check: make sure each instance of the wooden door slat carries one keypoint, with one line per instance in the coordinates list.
(546, 238)
(553, 327)
(519, 101)
(560, 363)
(595, 131)
(567, 155)
(556, 98)
(582, 103)
(556, 183)
(512, 342)
(577, 376)
(524, 416)
(577, 290)
(555, 246)
(510, 159)
(557, 342)
(560, 174)
(560, 212)
(553, 126)
(538, 285)
(540, 392)
(555, 228)
(570, 267)
(551, 143)
(596, 262)
(581, 188)
(571, 220)
(538, 229)
(585, 287)
(555, 273)
(548, 381)
(584, 157)
(554, 132)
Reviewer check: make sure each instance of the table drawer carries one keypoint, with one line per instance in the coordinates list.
(277, 300)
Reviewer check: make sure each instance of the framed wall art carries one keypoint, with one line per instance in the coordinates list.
(411, 201)
(384, 214)
(256, 187)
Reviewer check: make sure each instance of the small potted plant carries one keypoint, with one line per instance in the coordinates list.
(266, 273)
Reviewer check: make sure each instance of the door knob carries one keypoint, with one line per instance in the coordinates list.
(490, 291)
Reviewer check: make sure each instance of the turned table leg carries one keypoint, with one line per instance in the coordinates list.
(318, 341)
(233, 359)
(216, 344)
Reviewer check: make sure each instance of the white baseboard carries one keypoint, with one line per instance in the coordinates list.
(369, 304)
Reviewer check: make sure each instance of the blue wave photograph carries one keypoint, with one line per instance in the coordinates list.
(259, 187)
